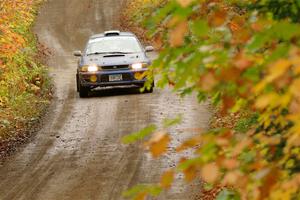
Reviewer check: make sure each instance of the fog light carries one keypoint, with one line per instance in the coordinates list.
(93, 78)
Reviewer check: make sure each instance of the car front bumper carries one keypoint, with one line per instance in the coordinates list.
(101, 78)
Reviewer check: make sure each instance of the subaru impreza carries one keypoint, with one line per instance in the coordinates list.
(113, 58)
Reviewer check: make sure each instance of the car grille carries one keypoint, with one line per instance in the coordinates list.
(115, 67)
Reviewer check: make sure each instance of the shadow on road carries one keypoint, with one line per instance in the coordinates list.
(107, 92)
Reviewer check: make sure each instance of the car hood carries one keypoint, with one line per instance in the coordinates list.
(114, 59)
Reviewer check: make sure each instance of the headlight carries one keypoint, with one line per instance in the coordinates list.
(139, 65)
(90, 68)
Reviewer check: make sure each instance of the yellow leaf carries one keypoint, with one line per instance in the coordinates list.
(295, 87)
(278, 69)
(265, 100)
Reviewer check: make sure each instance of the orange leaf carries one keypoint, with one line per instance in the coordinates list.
(190, 173)
(167, 179)
(208, 81)
(210, 172)
(242, 62)
(178, 33)
(230, 163)
(231, 178)
(158, 144)
(190, 143)
(141, 196)
(269, 182)
(218, 17)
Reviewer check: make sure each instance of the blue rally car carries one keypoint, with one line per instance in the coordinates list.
(112, 58)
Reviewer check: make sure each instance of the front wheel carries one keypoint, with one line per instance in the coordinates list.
(83, 91)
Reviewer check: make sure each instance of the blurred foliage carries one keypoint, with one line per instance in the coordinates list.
(279, 9)
(245, 57)
(24, 86)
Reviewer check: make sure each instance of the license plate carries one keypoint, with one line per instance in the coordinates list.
(115, 77)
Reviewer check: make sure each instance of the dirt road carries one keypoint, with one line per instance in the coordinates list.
(77, 154)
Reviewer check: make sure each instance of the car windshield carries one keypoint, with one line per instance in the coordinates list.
(113, 45)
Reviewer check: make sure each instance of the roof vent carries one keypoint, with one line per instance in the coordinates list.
(111, 33)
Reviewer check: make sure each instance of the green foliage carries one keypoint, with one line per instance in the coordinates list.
(134, 137)
(244, 124)
(227, 195)
(171, 122)
(279, 9)
(136, 191)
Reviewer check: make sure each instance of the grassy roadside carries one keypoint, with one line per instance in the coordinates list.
(24, 83)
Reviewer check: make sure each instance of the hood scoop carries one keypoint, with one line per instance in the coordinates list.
(114, 55)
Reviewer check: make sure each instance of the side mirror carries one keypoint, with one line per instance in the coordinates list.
(77, 53)
(149, 48)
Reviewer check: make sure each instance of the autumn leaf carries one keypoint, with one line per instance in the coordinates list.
(210, 172)
(192, 142)
(265, 100)
(242, 62)
(185, 3)
(158, 143)
(178, 33)
(218, 17)
(230, 163)
(232, 178)
(207, 81)
(167, 179)
(141, 196)
(269, 182)
(278, 69)
(190, 173)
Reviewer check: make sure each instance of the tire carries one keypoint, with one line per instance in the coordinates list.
(77, 83)
(83, 91)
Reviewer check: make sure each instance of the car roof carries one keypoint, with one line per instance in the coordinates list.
(111, 33)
